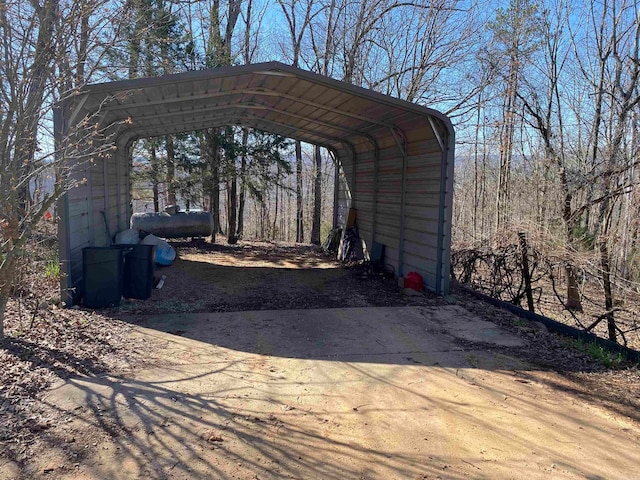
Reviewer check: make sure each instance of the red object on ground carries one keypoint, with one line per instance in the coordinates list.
(48, 216)
(414, 281)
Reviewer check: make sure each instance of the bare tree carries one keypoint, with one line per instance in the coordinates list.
(299, 14)
(218, 52)
(624, 37)
(40, 61)
(516, 32)
(543, 104)
(323, 44)
(317, 196)
(24, 88)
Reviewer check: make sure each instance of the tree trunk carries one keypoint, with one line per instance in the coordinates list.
(5, 291)
(26, 140)
(3, 306)
(317, 200)
(232, 205)
(506, 146)
(85, 13)
(608, 292)
(573, 292)
(134, 46)
(476, 172)
(299, 208)
(155, 174)
(274, 225)
(290, 209)
(213, 187)
(171, 171)
(243, 188)
(283, 215)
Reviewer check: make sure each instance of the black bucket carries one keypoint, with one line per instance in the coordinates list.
(102, 269)
(139, 267)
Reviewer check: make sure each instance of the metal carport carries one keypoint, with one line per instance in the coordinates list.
(396, 158)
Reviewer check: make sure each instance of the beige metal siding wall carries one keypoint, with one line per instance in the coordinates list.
(388, 204)
(111, 191)
(110, 175)
(78, 219)
(77, 204)
(364, 188)
(421, 197)
(124, 187)
(116, 188)
(422, 205)
(107, 188)
(98, 185)
(81, 223)
(344, 197)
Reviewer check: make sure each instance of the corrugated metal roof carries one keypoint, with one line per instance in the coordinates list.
(269, 96)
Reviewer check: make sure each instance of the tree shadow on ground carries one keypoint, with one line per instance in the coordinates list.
(224, 288)
(155, 429)
(212, 410)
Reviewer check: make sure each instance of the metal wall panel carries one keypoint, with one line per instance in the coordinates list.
(381, 222)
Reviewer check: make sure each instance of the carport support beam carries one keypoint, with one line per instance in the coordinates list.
(353, 179)
(443, 260)
(376, 174)
(336, 186)
(402, 202)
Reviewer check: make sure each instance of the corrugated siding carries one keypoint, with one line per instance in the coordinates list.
(422, 205)
(106, 190)
(389, 203)
(380, 220)
(422, 197)
(364, 187)
(123, 165)
(112, 203)
(79, 221)
(100, 237)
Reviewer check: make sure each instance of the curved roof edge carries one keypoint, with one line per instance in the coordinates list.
(276, 68)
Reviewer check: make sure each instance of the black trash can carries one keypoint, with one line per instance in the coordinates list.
(102, 269)
(139, 267)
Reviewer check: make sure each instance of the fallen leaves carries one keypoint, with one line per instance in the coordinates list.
(60, 344)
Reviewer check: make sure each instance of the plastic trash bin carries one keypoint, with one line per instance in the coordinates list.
(102, 269)
(139, 267)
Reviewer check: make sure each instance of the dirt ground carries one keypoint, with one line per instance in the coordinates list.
(263, 276)
(291, 369)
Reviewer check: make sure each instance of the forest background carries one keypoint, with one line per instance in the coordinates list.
(544, 97)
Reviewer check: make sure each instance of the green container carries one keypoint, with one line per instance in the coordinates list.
(102, 269)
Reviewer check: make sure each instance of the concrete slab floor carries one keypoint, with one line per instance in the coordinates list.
(363, 393)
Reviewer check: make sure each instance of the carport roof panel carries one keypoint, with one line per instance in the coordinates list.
(270, 96)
